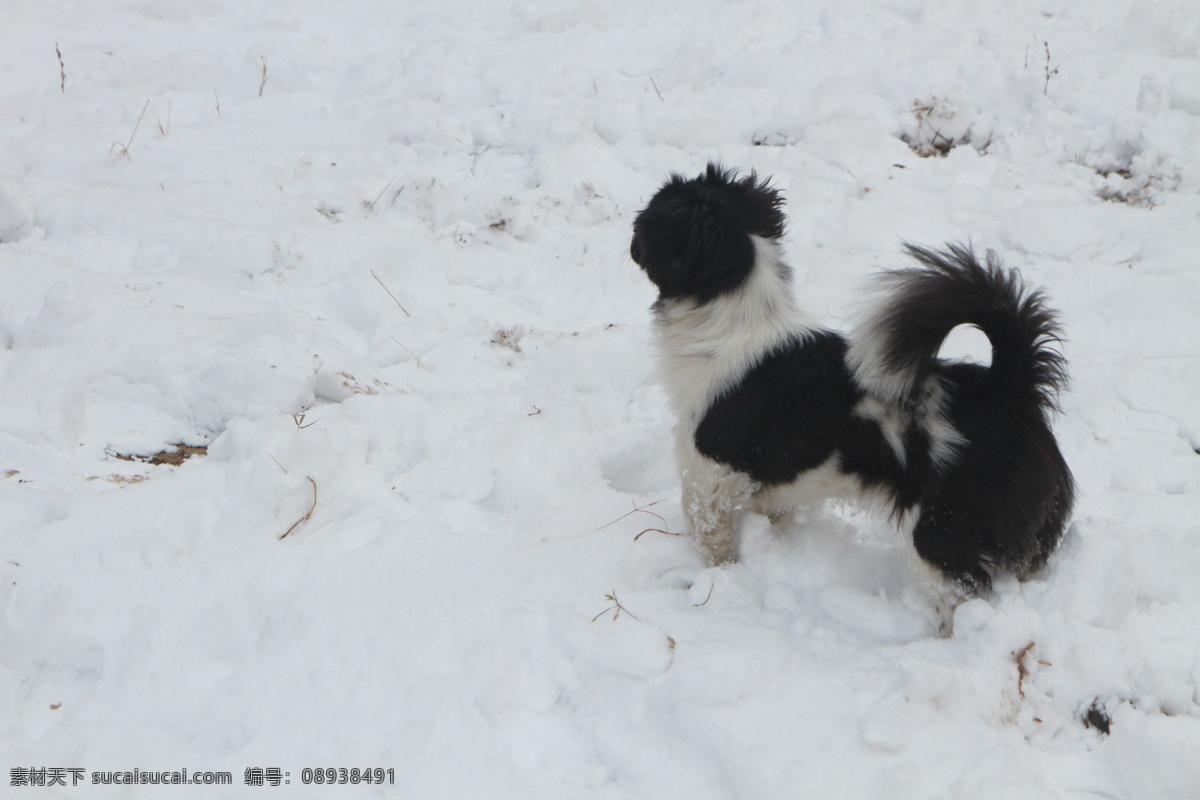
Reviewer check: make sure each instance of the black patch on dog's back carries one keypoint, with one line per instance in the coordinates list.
(789, 414)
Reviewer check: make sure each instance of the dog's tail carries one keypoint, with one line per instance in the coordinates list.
(895, 350)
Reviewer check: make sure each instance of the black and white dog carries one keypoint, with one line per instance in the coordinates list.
(775, 412)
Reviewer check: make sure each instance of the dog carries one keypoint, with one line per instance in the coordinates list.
(775, 412)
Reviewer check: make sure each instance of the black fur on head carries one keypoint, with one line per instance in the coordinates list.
(693, 238)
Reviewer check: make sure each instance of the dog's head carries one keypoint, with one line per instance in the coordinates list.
(694, 237)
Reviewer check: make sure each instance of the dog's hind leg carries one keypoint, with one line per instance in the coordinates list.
(937, 590)
(949, 540)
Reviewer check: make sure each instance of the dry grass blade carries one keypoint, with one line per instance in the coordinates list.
(62, 70)
(1022, 670)
(263, 82)
(615, 609)
(307, 516)
(389, 291)
(300, 424)
(656, 91)
(1049, 72)
(125, 147)
(656, 530)
(164, 130)
(405, 349)
(636, 510)
(371, 205)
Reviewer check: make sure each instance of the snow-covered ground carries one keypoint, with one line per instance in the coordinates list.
(372, 257)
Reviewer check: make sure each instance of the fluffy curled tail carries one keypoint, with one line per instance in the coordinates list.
(895, 350)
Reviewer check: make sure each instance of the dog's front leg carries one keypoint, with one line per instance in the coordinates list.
(710, 515)
(711, 493)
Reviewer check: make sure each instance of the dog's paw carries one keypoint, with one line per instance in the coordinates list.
(718, 547)
(721, 558)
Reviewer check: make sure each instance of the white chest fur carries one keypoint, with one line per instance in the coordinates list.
(705, 349)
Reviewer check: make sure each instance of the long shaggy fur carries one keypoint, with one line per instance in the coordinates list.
(896, 347)
(776, 412)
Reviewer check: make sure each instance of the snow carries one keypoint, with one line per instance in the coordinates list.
(372, 256)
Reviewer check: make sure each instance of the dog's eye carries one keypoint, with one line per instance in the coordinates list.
(635, 250)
